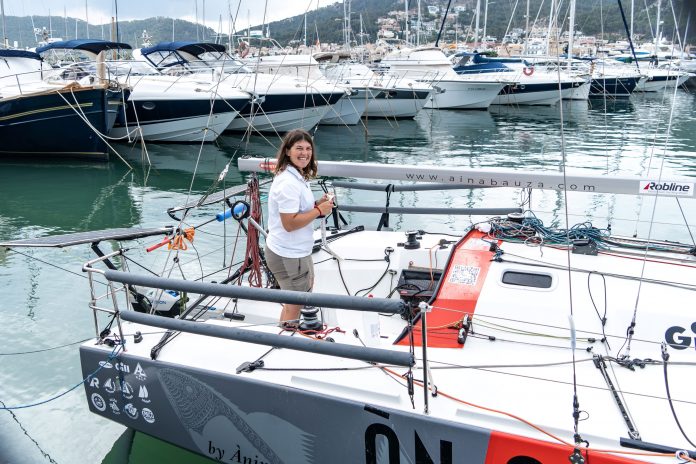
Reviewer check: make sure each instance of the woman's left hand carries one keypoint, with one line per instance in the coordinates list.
(326, 197)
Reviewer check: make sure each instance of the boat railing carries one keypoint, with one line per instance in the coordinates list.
(346, 302)
(386, 210)
(112, 290)
(24, 82)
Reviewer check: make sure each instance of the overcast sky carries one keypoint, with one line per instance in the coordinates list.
(101, 11)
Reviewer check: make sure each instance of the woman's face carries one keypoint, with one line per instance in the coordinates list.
(300, 154)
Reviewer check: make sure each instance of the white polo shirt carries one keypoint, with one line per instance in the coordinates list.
(289, 193)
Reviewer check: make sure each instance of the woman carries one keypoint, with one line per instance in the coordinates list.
(291, 211)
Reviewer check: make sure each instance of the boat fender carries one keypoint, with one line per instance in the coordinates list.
(528, 71)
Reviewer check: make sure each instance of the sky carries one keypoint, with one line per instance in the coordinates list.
(101, 11)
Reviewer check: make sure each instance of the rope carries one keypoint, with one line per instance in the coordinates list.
(252, 260)
(114, 354)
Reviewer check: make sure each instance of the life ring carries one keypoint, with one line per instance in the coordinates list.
(528, 71)
(243, 49)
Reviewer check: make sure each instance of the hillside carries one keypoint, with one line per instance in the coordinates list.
(594, 17)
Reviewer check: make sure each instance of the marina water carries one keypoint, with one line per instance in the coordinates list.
(44, 305)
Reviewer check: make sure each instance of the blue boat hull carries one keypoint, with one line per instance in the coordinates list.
(51, 125)
(613, 87)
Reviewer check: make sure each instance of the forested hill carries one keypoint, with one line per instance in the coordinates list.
(600, 18)
(593, 17)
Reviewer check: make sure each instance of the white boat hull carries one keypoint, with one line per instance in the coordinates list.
(396, 104)
(197, 129)
(303, 118)
(459, 94)
(347, 111)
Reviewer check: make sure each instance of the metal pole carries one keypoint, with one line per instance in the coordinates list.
(424, 308)
(4, 34)
(478, 14)
(379, 355)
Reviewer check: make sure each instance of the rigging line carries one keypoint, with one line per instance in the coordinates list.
(482, 336)
(537, 263)
(78, 111)
(45, 349)
(576, 405)
(113, 355)
(688, 228)
(445, 365)
(524, 421)
(562, 382)
(602, 319)
(652, 218)
(665, 357)
(49, 264)
(36, 443)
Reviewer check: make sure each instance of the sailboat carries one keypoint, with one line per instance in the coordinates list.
(512, 342)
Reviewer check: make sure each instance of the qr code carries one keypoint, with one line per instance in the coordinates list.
(465, 275)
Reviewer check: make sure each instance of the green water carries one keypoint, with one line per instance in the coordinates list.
(45, 294)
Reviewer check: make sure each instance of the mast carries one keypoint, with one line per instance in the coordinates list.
(548, 33)
(361, 31)
(657, 28)
(632, 1)
(86, 19)
(485, 20)
(406, 22)
(526, 29)
(476, 30)
(418, 29)
(442, 25)
(197, 36)
(5, 40)
(346, 39)
(118, 35)
(305, 29)
(571, 32)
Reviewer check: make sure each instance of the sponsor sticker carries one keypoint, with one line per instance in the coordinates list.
(98, 402)
(267, 165)
(653, 187)
(464, 275)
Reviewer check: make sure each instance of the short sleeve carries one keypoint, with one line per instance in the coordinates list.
(288, 197)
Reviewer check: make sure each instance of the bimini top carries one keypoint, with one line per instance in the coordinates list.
(9, 53)
(90, 45)
(193, 48)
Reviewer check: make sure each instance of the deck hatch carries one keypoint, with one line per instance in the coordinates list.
(527, 279)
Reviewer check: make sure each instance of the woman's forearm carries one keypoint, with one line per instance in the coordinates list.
(295, 221)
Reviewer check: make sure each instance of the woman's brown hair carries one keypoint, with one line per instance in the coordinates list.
(282, 159)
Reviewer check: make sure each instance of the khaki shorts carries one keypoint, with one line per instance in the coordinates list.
(291, 273)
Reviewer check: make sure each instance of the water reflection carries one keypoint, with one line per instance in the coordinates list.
(65, 197)
(572, 112)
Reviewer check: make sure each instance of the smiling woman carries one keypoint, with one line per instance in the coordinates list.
(291, 211)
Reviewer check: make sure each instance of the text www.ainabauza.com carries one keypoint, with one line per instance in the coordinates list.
(498, 182)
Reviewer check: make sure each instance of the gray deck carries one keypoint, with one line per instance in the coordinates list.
(65, 240)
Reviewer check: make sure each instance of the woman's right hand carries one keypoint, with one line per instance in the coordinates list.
(325, 207)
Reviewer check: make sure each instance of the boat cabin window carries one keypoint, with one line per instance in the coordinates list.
(527, 279)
